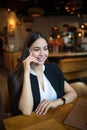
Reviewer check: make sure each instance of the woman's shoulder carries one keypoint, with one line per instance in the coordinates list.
(52, 70)
(52, 67)
(50, 64)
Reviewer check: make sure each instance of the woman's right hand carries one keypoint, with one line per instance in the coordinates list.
(26, 63)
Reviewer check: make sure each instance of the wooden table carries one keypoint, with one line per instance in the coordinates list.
(53, 120)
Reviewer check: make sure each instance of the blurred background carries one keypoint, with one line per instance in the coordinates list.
(63, 22)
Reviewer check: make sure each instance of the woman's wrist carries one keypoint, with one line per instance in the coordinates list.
(63, 100)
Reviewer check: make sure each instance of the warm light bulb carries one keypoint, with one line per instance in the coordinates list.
(79, 34)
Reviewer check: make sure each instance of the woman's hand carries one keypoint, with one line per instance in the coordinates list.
(26, 63)
(44, 106)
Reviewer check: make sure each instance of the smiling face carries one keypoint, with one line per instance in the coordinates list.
(39, 50)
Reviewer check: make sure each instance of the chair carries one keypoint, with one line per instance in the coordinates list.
(4, 105)
(80, 88)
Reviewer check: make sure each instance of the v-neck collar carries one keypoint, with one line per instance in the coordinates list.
(33, 72)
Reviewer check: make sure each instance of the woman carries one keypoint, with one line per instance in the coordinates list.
(35, 85)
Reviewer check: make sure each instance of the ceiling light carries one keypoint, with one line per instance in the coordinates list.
(73, 5)
(35, 12)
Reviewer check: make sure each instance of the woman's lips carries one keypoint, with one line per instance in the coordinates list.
(41, 59)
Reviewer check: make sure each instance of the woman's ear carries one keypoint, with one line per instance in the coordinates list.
(29, 52)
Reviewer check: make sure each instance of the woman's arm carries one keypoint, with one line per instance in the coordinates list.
(69, 96)
(26, 98)
(70, 93)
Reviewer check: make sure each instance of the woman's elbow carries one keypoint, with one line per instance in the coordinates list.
(25, 111)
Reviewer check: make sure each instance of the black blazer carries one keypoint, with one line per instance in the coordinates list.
(56, 78)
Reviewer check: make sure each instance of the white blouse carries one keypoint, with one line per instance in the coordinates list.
(48, 93)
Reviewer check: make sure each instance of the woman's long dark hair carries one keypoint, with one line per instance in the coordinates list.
(15, 79)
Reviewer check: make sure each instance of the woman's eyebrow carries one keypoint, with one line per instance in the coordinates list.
(39, 47)
(36, 47)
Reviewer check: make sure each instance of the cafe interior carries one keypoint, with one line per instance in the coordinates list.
(64, 23)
